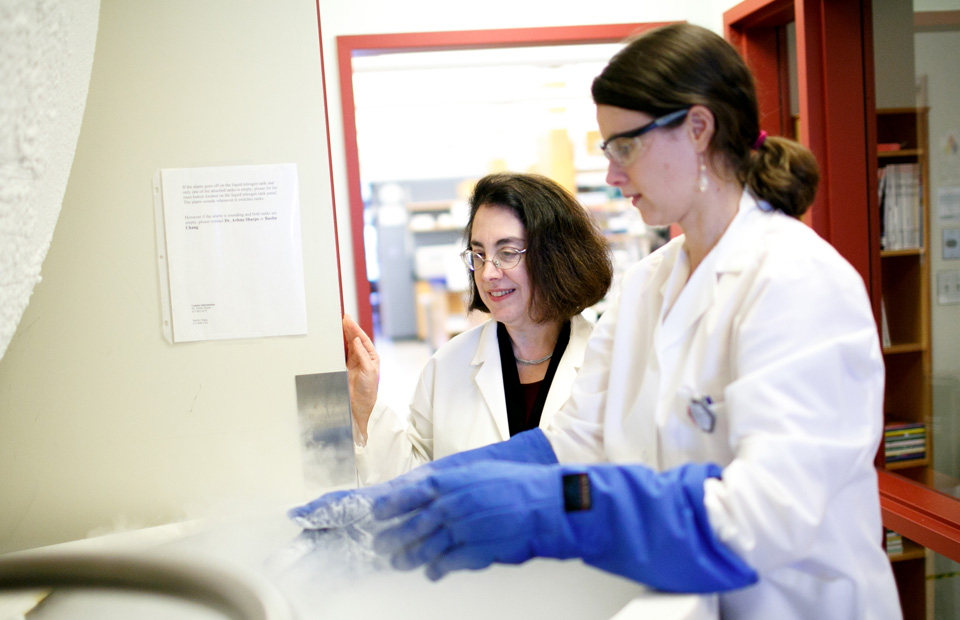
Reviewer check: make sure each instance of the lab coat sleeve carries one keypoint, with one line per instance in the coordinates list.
(396, 444)
(579, 431)
(805, 407)
(576, 431)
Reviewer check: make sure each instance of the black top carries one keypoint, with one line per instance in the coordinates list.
(523, 411)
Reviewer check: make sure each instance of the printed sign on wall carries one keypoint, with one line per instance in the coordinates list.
(230, 252)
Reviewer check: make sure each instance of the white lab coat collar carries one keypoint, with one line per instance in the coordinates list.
(489, 378)
(736, 249)
(730, 255)
(570, 363)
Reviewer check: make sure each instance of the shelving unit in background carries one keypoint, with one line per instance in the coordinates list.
(905, 277)
(436, 232)
(905, 323)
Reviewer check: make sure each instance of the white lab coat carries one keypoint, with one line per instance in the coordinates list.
(459, 404)
(777, 329)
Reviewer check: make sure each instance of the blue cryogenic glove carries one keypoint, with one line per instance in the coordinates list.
(345, 508)
(625, 519)
(527, 447)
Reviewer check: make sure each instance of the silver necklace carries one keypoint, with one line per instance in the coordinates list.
(524, 362)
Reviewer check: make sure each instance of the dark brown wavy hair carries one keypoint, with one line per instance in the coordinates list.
(678, 66)
(567, 256)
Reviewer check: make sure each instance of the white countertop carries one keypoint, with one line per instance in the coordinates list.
(332, 580)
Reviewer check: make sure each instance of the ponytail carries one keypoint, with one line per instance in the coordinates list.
(783, 173)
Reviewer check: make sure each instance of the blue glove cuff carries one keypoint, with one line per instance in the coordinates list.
(652, 527)
(527, 447)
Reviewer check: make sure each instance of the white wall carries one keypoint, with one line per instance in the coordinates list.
(938, 58)
(893, 54)
(102, 423)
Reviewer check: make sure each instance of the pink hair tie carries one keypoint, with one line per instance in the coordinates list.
(760, 139)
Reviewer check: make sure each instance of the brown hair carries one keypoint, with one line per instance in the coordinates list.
(567, 256)
(681, 65)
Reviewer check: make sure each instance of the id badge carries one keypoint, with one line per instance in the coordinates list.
(701, 412)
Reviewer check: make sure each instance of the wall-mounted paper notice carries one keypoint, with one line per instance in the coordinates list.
(230, 257)
(948, 203)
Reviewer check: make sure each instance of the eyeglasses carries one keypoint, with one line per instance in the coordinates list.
(622, 148)
(506, 258)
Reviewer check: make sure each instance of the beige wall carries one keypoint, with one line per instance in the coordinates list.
(102, 423)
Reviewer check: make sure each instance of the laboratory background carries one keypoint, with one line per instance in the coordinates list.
(110, 429)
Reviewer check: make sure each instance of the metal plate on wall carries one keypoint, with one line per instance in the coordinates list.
(326, 431)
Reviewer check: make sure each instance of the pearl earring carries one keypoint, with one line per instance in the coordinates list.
(702, 181)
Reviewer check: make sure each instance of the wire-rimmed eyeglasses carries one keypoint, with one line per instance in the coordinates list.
(622, 148)
(505, 258)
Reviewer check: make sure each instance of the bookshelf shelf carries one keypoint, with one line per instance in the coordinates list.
(897, 465)
(900, 154)
(894, 349)
(904, 252)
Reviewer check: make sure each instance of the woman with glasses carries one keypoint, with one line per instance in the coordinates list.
(537, 260)
(721, 433)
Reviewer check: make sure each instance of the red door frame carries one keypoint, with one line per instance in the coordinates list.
(835, 80)
(355, 45)
(836, 92)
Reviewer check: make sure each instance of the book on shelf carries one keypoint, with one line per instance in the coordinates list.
(905, 444)
(884, 325)
(910, 431)
(898, 458)
(907, 433)
(894, 448)
(894, 542)
(895, 427)
(901, 221)
(904, 441)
